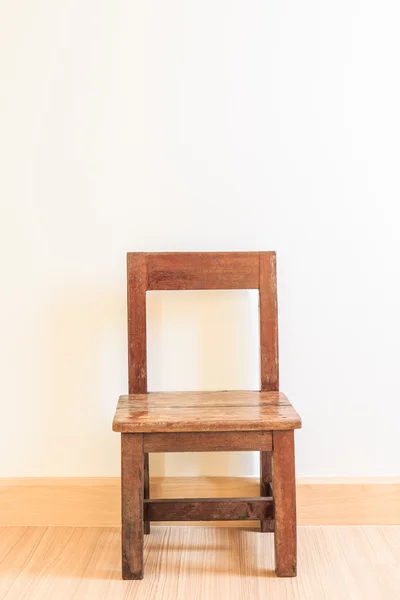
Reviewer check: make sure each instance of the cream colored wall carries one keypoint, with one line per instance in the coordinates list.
(189, 125)
(203, 340)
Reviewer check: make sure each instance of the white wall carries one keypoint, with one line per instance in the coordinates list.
(186, 125)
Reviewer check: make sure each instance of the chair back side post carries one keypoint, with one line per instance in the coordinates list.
(269, 351)
(137, 287)
(201, 271)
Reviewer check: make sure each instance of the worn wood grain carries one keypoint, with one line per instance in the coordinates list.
(222, 399)
(137, 285)
(132, 464)
(284, 489)
(203, 270)
(208, 509)
(269, 359)
(223, 411)
(221, 441)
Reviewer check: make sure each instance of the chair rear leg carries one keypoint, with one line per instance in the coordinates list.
(284, 492)
(146, 524)
(132, 491)
(265, 481)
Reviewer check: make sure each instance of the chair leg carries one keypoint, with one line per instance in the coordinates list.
(146, 524)
(284, 492)
(265, 480)
(132, 490)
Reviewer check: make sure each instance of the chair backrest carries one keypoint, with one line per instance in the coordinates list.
(201, 271)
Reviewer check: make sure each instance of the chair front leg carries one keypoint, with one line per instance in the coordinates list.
(132, 492)
(284, 493)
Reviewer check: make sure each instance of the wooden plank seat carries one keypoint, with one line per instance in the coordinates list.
(206, 421)
(205, 411)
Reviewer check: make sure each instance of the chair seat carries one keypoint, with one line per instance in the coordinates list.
(204, 411)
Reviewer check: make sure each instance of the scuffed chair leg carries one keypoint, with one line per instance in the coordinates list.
(284, 491)
(132, 491)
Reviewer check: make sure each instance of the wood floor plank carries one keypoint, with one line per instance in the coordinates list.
(344, 563)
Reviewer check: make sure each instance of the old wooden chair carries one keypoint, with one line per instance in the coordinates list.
(206, 421)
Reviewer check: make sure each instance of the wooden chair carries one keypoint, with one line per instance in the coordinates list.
(206, 421)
